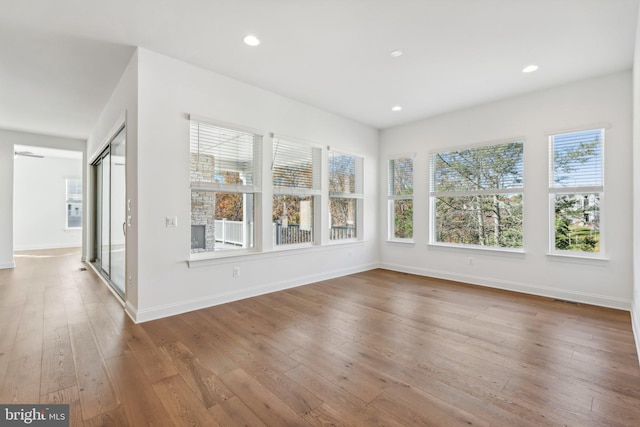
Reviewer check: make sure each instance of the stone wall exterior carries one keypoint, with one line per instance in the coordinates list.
(202, 169)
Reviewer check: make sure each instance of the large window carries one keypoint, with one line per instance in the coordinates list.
(400, 198)
(345, 195)
(576, 190)
(476, 196)
(225, 185)
(73, 202)
(296, 191)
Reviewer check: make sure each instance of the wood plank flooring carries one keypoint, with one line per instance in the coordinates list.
(373, 349)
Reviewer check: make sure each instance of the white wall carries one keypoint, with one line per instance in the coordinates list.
(635, 311)
(7, 140)
(168, 91)
(122, 107)
(40, 203)
(582, 104)
(6, 202)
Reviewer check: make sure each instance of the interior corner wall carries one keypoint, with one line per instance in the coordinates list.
(8, 139)
(169, 90)
(40, 199)
(6, 202)
(121, 107)
(578, 105)
(635, 311)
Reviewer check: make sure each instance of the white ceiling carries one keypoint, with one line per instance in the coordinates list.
(60, 59)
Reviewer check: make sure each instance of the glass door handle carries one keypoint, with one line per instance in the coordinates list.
(124, 228)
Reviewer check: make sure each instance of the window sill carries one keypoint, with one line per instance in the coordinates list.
(72, 228)
(473, 248)
(580, 257)
(217, 258)
(401, 242)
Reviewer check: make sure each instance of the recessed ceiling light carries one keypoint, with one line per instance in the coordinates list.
(529, 68)
(396, 53)
(251, 40)
(396, 108)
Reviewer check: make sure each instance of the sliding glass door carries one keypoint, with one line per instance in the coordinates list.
(109, 221)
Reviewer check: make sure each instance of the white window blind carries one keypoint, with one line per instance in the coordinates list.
(345, 175)
(74, 190)
(224, 158)
(400, 179)
(295, 166)
(487, 169)
(577, 160)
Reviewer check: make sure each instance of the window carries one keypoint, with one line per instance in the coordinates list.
(225, 185)
(476, 196)
(296, 189)
(400, 196)
(73, 202)
(576, 190)
(345, 195)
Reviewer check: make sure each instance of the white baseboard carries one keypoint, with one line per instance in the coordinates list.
(48, 246)
(131, 311)
(4, 265)
(635, 324)
(533, 289)
(167, 310)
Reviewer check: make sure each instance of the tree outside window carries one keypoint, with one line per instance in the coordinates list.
(477, 195)
(576, 190)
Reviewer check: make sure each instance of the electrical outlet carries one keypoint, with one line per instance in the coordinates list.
(171, 221)
(470, 261)
(236, 271)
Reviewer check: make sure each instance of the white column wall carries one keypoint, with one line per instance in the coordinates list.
(635, 311)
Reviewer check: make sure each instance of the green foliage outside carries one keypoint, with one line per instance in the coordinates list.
(484, 213)
(403, 219)
(577, 226)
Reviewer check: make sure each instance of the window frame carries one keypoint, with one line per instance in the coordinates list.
(69, 202)
(357, 195)
(315, 192)
(555, 191)
(392, 197)
(433, 195)
(254, 189)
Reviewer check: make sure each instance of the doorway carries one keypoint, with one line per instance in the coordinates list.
(109, 225)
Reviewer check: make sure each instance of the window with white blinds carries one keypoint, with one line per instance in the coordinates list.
(576, 191)
(345, 175)
(345, 195)
(400, 198)
(224, 157)
(576, 160)
(295, 166)
(476, 195)
(296, 191)
(225, 170)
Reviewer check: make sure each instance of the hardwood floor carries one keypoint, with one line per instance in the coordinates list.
(372, 349)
